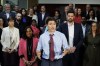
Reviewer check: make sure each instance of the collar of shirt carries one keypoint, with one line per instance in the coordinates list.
(70, 24)
(50, 33)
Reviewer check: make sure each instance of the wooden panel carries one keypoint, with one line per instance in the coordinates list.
(32, 3)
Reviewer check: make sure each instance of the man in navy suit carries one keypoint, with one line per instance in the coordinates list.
(6, 14)
(42, 17)
(74, 35)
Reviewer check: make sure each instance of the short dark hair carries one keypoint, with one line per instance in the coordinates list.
(11, 19)
(71, 11)
(50, 19)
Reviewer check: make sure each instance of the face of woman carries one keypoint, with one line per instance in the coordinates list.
(56, 13)
(79, 11)
(1, 22)
(30, 11)
(11, 23)
(23, 12)
(29, 32)
(94, 26)
(91, 13)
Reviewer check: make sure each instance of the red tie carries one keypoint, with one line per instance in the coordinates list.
(51, 46)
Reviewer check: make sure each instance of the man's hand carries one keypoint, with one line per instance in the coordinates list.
(72, 49)
(38, 54)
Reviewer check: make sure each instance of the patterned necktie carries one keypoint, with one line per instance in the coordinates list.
(51, 46)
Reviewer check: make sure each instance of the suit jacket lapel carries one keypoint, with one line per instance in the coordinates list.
(5, 15)
(67, 32)
(75, 32)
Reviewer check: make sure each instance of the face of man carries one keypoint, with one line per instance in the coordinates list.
(18, 16)
(70, 17)
(43, 9)
(16, 8)
(7, 8)
(51, 26)
(88, 7)
(66, 9)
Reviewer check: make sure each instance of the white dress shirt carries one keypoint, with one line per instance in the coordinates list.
(83, 28)
(43, 14)
(71, 33)
(8, 15)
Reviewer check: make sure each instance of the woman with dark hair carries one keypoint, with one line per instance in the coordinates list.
(10, 41)
(36, 31)
(32, 14)
(25, 19)
(91, 16)
(27, 48)
(78, 16)
(57, 16)
(92, 43)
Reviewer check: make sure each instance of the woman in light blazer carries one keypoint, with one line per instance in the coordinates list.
(27, 48)
(10, 41)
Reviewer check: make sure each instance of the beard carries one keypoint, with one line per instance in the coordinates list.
(70, 20)
(18, 19)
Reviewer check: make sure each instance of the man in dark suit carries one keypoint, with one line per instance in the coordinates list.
(85, 29)
(86, 12)
(19, 24)
(64, 14)
(6, 14)
(42, 17)
(74, 35)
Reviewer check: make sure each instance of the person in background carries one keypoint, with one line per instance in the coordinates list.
(86, 12)
(1, 8)
(27, 48)
(78, 16)
(1, 53)
(32, 15)
(36, 31)
(57, 16)
(54, 45)
(42, 15)
(10, 42)
(6, 14)
(16, 9)
(71, 6)
(64, 14)
(19, 24)
(74, 35)
(25, 18)
(76, 10)
(91, 16)
(92, 43)
(35, 8)
(86, 30)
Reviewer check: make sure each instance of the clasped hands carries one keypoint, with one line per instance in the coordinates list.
(9, 50)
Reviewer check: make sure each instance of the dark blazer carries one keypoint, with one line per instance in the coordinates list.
(63, 17)
(3, 15)
(20, 26)
(78, 34)
(87, 29)
(41, 22)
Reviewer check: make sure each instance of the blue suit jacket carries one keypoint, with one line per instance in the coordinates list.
(3, 15)
(41, 22)
(78, 34)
